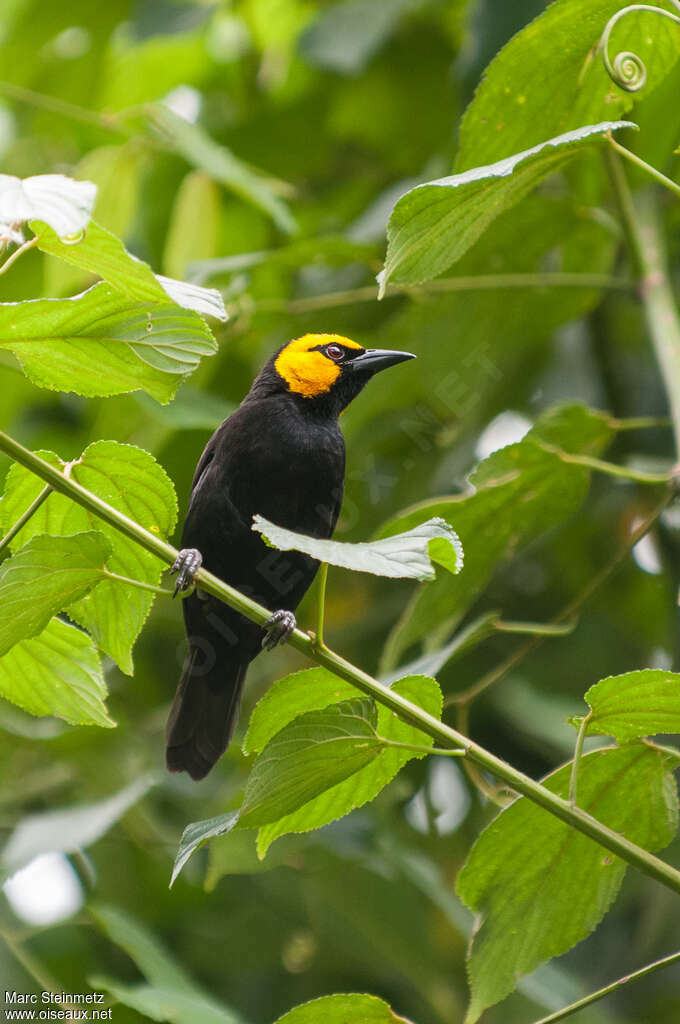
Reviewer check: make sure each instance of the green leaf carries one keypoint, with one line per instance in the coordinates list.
(193, 233)
(103, 343)
(635, 704)
(130, 480)
(401, 556)
(434, 224)
(46, 575)
(171, 994)
(296, 699)
(532, 877)
(201, 151)
(345, 36)
(351, 1008)
(308, 756)
(99, 252)
(520, 491)
(166, 1004)
(116, 171)
(69, 828)
(431, 663)
(154, 962)
(57, 673)
(310, 689)
(197, 833)
(64, 204)
(522, 100)
(363, 786)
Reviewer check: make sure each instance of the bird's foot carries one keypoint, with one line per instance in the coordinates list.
(186, 565)
(279, 627)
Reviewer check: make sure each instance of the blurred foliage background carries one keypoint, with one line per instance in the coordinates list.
(340, 107)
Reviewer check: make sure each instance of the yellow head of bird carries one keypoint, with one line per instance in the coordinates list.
(310, 365)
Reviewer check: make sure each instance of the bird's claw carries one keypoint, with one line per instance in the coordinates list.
(279, 627)
(186, 565)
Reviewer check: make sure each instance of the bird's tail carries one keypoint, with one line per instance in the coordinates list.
(203, 715)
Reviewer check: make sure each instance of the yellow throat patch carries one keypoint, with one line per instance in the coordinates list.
(308, 372)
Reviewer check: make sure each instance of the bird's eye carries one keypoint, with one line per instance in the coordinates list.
(335, 352)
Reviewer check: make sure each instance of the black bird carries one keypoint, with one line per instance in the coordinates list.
(280, 454)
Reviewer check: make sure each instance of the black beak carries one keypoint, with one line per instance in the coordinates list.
(375, 359)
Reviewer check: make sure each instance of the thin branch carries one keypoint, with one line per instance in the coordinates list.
(580, 1004)
(535, 628)
(640, 221)
(109, 122)
(21, 522)
(643, 165)
(568, 612)
(482, 282)
(491, 793)
(418, 749)
(321, 604)
(609, 468)
(137, 583)
(405, 709)
(30, 244)
(640, 422)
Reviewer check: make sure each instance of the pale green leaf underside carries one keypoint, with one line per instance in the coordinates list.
(402, 556)
(56, 673)
(435, 223)
(196, 146)
(197, 833)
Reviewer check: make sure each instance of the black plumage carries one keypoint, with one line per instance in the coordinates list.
(280, 454)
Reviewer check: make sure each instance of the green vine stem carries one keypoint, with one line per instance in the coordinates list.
(633, 158)
(417, 749)
(576, 763)
(21, 522)
(30, 244)
(610, 468)
(581, 1004)
(137, 583)
(642, 228)
(627, 69)
(480, 282)
(321, 605)
(405, 709)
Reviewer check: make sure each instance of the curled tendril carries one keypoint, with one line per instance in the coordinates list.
(628, 70)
